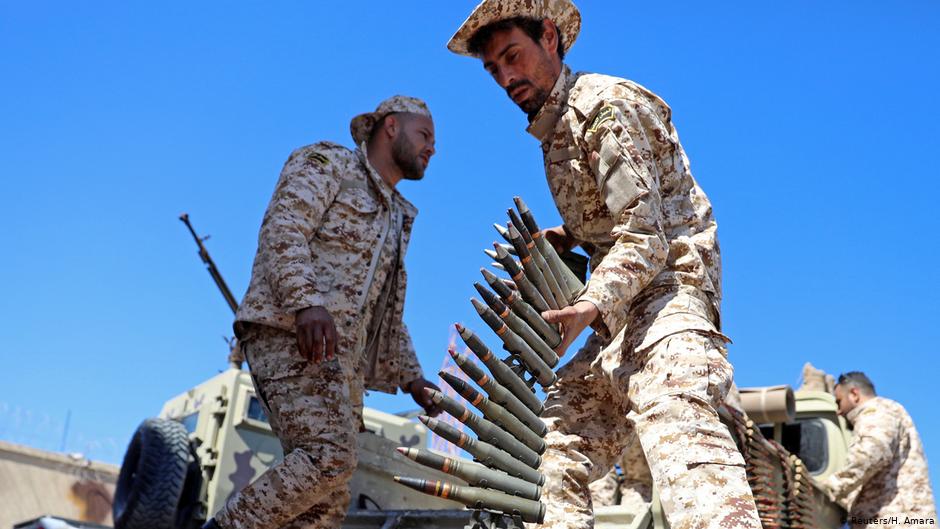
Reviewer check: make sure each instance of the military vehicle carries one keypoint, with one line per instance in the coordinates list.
(790, 441)
(213, 439)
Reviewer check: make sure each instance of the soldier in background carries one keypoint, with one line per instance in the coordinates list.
(322, 318)
(623, 187)
(884, 481)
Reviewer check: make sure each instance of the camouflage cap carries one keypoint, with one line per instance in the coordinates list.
(563, 13)
(361, 125)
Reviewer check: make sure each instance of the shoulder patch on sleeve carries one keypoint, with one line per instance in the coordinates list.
(317, 158)
(606, 113)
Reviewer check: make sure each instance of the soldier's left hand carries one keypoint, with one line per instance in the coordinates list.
(416, 388)
(573, 319)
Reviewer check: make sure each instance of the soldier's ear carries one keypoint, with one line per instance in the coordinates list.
(856, 393)
(549, 39)
(392, 126)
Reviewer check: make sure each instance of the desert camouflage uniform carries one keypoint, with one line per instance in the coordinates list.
(631, 486)
(334, 235)
(885, 473)
(622, 184)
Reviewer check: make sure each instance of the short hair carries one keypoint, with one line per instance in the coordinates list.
(859, 380)
(532, 27)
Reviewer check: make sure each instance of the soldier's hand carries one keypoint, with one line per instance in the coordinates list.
(416, 388)
(573, 320)
(316, 334)
(559, 238)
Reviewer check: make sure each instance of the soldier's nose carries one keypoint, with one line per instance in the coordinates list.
(505, 79)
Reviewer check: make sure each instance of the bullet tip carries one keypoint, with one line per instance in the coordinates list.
(476, 304)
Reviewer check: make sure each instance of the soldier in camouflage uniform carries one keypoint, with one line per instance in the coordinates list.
(622, 184)
(884, 481)
(322, 318)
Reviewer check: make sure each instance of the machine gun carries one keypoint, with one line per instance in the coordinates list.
(235, 356)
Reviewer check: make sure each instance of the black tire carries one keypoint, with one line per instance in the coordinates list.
(153, 476)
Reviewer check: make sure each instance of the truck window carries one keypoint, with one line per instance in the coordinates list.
(255, 411)
(814, 444)
(189, 421)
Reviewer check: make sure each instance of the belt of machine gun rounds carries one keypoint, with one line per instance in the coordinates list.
(504, 479)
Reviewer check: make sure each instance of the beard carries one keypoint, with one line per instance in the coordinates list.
(405, 156)
(535, 102)
(540, 84)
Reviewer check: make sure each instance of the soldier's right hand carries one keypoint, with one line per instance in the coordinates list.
(559, 238)
(316, 334)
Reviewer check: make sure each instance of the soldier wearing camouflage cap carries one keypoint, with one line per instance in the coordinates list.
(622, 184)
(884, 481)
(322, 318)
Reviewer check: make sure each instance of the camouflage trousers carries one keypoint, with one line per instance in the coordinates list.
(632, 486)
(673, 387)
(316, 412)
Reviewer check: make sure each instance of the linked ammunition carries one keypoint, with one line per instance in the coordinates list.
(496, 413)
(535, 365)
(498, 394)
(570, 280)
(528, 510)
(518, 326)
(525, 311)
(484, 452)
(532, 271)
(560, 295)
(485, 430)
(500, 371)
(525, 287)
(474, 474)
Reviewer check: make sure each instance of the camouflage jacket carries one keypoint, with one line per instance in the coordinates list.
(320, 245)
(885, 472)
(622, 184)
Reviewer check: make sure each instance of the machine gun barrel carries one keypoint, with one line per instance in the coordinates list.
(210, 265)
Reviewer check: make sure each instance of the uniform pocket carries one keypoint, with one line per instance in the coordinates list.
(619, 180)
(356, 197)
(350, 221)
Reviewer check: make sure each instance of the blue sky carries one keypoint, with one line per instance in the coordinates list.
(814, 128)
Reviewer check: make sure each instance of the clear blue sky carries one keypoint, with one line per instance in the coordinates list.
(813, 126)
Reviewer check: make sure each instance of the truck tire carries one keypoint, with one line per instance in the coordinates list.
(153, 475)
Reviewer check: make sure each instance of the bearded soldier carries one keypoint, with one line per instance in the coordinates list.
(884, 481)
(322, 318)
(622, 184)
